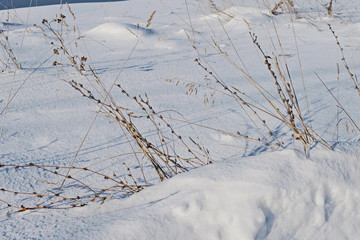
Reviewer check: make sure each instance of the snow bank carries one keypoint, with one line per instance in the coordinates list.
(112, 30)
(279, 195)
(276, 196)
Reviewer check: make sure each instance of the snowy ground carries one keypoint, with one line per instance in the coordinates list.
(249, 192)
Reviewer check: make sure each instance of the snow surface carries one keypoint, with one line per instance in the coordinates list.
(248, 192)
(279, 195)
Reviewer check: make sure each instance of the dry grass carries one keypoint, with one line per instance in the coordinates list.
(9, 55)
(165, 161)
(343, 60)
(280, 104)
(329, 7)
(78, 193)
(166, 152)
(287, 6)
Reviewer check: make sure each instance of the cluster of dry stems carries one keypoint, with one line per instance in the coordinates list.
(168, 153)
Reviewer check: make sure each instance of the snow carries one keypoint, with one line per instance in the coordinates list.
(281, 195)
(249, 191)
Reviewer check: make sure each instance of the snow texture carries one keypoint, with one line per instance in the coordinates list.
(249, 192)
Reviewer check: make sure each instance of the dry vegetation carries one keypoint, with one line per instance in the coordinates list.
(169, 152)
(282, 104)
(8, 54)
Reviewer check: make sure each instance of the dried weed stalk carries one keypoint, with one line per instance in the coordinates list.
(8, 51)
(167, 152)
(343, 59)
(166, 160)
(329, 7)
(289, 112)
(77, 194)
(280, 104)
(283, 6)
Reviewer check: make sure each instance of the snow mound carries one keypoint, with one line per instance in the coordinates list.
(112, 31)
(120, 35)
(281, 195)
(237, 14)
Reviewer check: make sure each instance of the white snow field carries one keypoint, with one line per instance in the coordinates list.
(193, 77)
